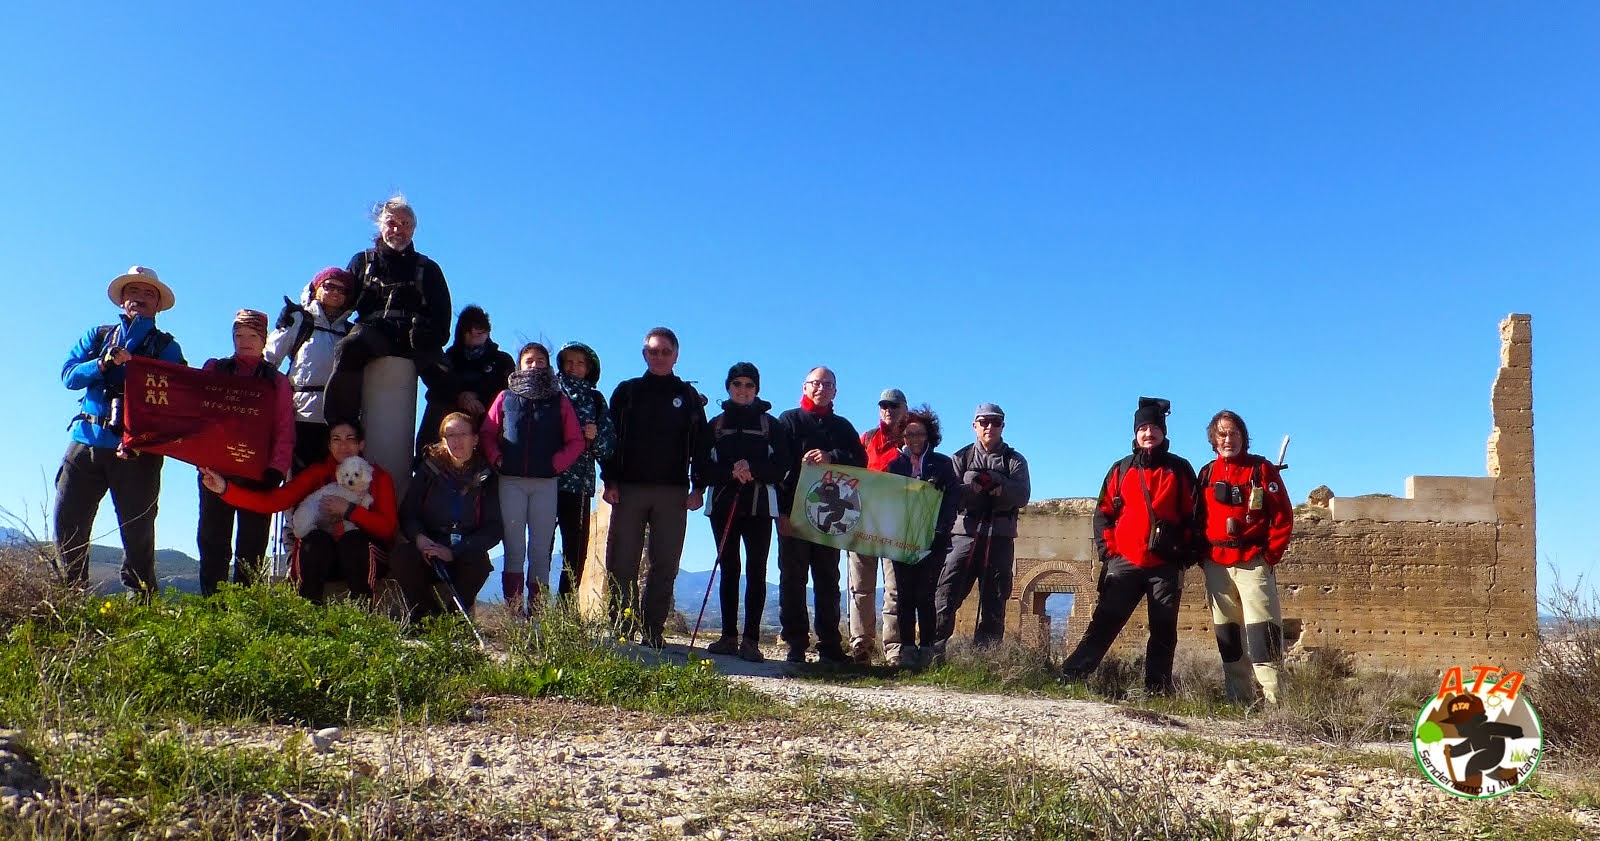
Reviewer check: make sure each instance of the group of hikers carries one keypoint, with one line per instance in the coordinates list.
(507, 450)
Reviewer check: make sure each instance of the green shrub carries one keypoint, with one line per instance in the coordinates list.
(259, 653)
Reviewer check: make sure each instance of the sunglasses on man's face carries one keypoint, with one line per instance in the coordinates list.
(988, 422)
(741, 384)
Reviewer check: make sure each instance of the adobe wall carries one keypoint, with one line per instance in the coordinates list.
(1444, 576)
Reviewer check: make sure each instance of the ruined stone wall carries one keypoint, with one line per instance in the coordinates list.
(1444, 576)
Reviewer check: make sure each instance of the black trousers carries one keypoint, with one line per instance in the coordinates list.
(572, 519)
(368, 341)
(918, 583)
(1120, 590)
(797, 559)
(425, 592)
(756, 535)
(322, 558)
(85, 475)
(985, 560)
(310, 444)
(216, 533)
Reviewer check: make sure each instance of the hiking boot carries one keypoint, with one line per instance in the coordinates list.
(833, 655)
(795, 655)
(729, 644)
(862, 657)
(750, 651)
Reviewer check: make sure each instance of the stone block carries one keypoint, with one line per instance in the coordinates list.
(1516, 355)
(1451, 489)
(1516, 327)
(1389, 510)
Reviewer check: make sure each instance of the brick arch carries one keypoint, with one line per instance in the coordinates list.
(1045, 578)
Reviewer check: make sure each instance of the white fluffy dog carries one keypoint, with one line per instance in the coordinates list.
(351, 483)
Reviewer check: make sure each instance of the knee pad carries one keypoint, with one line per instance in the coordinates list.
(1266, 641)
(1230, 642)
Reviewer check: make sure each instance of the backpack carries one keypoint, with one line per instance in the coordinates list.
(1258, 473)
(154, 344)
(308, 325)
(370, 279)
(1125, 463)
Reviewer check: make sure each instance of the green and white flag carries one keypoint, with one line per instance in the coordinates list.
(865, 511)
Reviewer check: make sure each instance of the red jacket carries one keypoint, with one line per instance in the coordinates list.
(881, 449)
(1123, 529)
(1265, 531)
(379, 522)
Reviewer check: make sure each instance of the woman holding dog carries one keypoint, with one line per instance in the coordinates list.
(449, 520)
(333, 551)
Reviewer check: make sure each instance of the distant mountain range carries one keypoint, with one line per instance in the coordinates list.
(174, 569)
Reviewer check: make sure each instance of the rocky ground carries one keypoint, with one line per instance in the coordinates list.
(600, 773)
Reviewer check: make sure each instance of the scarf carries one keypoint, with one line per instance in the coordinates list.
(533, 384)
(810, 406)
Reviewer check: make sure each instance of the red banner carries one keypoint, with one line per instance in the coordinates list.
(220, 421)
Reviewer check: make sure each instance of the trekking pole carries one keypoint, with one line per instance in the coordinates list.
(726, 528)
(450, 586)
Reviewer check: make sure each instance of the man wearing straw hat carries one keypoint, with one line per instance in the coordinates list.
(95, 461)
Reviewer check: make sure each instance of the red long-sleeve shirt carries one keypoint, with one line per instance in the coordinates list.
(380, 521)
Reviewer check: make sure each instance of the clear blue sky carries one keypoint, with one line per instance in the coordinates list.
(1313, 214)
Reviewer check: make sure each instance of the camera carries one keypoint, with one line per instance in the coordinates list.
(1227, 493)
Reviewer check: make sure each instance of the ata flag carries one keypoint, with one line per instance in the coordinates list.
(865, 511)
(205, 418)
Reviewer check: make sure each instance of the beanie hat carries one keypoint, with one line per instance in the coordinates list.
(743, 369)
(1152, 410)
(253, 320)
(334, 273)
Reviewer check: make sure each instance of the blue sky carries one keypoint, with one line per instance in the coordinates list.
(1315, 215)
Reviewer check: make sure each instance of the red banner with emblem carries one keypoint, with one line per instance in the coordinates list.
(207, 419)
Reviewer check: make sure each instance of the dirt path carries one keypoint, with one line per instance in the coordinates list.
(603, 773)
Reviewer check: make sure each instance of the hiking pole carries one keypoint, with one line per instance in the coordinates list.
(726, 528)
(450, 586)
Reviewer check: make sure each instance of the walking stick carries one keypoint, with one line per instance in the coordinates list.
(726, 528)
(450, 586)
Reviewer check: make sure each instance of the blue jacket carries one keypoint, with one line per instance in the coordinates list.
(939, 471)
(82, 371)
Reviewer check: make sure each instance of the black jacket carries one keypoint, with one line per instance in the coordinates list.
(484, 376)
(736, 434)
(430, 508)
(937, 470)
(430, 304)
(830, 433)
(660, 423)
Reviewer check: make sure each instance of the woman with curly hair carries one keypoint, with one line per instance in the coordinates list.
(908, 615)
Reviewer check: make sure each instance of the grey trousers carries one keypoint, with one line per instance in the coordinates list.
(661, 508)
(984, 560)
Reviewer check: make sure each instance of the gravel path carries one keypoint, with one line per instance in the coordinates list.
(595, 772)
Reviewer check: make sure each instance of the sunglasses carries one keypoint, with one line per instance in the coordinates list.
(334, 287)
(741, 384)
(988, 422)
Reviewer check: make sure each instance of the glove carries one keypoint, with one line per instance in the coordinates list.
(273, 477)
(982, 481)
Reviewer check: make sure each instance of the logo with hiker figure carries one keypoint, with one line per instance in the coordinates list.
(833, 503)
(1478, 737)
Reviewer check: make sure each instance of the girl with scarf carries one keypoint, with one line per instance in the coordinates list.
(578, 378)
(531, 435)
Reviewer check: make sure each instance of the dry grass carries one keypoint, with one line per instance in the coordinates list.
(1566, 690)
